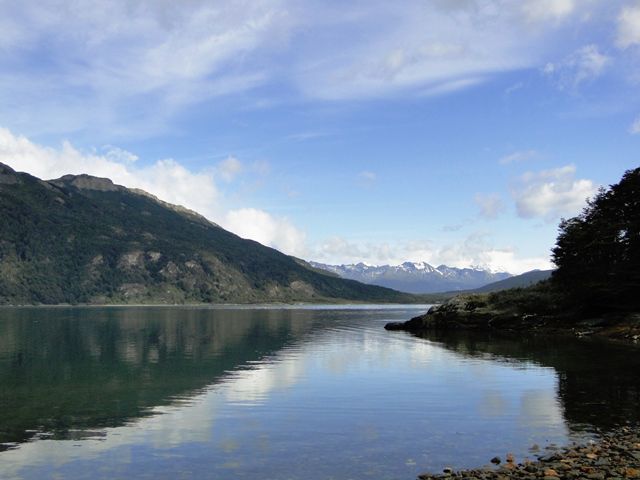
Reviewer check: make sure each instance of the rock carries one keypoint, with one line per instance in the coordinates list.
(395, 326)
(631, 472)
(613, 457)
(596, 476)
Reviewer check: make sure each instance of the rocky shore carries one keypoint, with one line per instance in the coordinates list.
(616, 455)
(478, 312)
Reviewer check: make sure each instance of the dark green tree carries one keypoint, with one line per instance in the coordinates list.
(598, 252)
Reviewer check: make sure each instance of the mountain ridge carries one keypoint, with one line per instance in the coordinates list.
(416, 277)
(84, 239)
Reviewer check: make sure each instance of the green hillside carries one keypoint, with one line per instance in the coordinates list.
(518, 281)
(81, 239)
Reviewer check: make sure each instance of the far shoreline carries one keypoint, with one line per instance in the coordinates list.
(224, 305)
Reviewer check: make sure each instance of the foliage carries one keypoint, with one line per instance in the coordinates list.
(541, 299)
(598, 252)
(60, 243)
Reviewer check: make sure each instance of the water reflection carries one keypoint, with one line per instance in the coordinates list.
(85, 368)
(599, 382)
(290, 393)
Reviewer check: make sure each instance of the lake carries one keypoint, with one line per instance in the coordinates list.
(287, 393)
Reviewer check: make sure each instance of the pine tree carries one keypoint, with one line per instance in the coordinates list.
(598, 252)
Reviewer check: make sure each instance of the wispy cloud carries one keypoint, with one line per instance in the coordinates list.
(628, 33)
(583, 65)
(634, 129)
(491, 205)
(229, 169)
(518, 156)
(111, 61)
(513, 88)
(548, 10)
(128, 68)
(367, 178)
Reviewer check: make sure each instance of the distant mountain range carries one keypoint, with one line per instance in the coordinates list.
(519, 281)
(417, 277)
(82, 239)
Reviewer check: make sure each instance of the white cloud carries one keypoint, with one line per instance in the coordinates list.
(172, 182)
(491, 205)
(519, 156)
(634, 129)
(583, 65)
(119, 155)
(167, 179)
(628, 27)
(127, 68)
(277, 232)
(476, 249)
(552, 194)
(229, 169)
(435, 48)
(545, 10)
(116, 62)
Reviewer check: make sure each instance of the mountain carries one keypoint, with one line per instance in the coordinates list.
(82, 239)
(518, 281)
(415, 277)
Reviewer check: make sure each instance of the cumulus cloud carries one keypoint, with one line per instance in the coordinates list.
(585, 64)
(167, 179)
(491, 205)
(519, 156)
(634, 129)
(277, 232)
(628, 27)
(552, 194)
(172, 182)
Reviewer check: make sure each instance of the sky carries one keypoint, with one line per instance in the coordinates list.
(455, 132)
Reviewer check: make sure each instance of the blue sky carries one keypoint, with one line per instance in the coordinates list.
(446, 131)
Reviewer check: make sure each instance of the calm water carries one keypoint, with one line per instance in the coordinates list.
(298, 393)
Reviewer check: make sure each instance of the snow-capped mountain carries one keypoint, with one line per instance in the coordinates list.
(416, 277)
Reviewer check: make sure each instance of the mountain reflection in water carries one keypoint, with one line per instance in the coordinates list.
(308, 393)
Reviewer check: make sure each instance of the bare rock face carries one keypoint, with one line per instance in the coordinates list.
(131, 260)
(87, 182)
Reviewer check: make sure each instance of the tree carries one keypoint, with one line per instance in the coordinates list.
(598, 252)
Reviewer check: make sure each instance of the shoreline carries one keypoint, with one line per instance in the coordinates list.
(468, 313)
(614, 455)
(275, 305)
